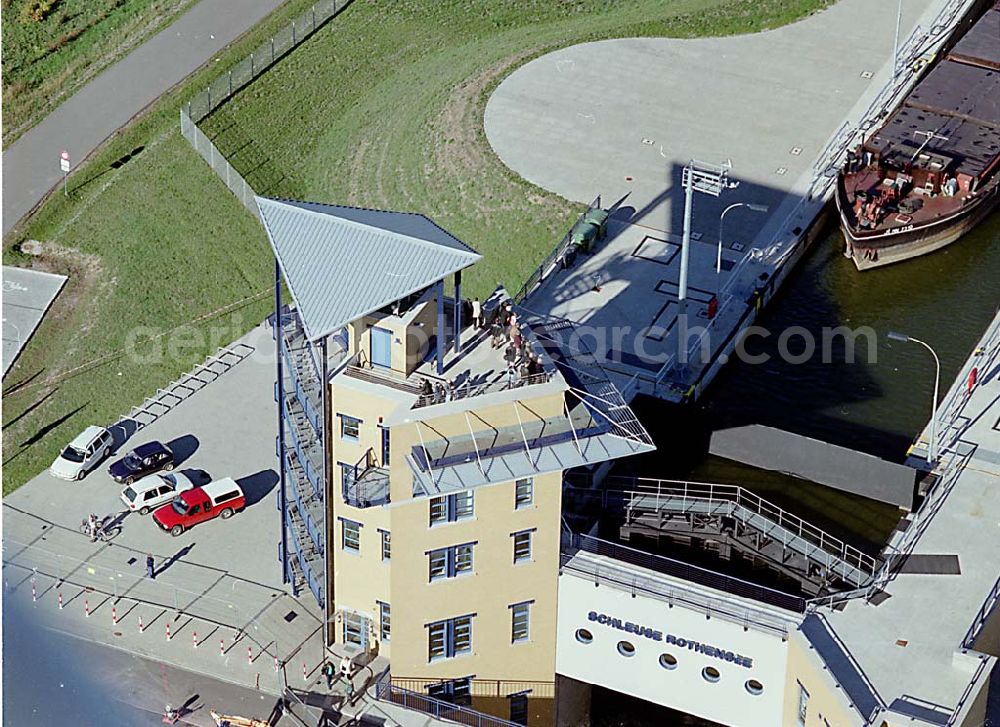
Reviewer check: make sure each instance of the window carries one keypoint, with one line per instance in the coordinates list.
(385, 446)
(626, 648)
(520, 622)
(803, 703)
(350, 536)
(711, 674)
(350, 428)
(347, 476)
(523, 493)
(354, 628)
(756, 688)
(386, 544)
(519, 708)
(522, 546)
(584, 636)
(455, 560)
(449, 508)
(668, 661)
(446, 639)
(384, 620)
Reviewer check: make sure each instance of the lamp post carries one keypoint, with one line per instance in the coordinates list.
(711, 179)
(932, 449)
(895, 41)
(718, 256)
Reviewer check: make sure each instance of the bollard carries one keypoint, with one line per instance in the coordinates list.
(86, 608)
(168, 631)
(222, 647)
(114, 616)
(276, 667)
(305, 676)
(34, 593)
(60, 601)
(194, 639)
(249, 656)
(141, 627)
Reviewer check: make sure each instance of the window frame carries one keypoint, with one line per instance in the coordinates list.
(523, 609)
(802, 712)
(347, 420)
(446, 563)
(449, 632)
(524, 558)
(385, 545)
(349, 616)
(384, 621)
(451, 508)
(519, 502)
(344, 522)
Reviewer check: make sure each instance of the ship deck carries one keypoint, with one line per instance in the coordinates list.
(870, 180)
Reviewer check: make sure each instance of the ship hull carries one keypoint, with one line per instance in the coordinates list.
(874, 250)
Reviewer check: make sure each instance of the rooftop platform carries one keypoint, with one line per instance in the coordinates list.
(916, 647)
(783, 105)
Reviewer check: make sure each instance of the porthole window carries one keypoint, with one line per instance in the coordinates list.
(754, 687)
(584, 636)
(711, 674)
(626, 649)
(668, 661)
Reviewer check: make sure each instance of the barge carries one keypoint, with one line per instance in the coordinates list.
(931, 172)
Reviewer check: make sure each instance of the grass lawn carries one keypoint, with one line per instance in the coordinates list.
(52, 47)
(382, 108)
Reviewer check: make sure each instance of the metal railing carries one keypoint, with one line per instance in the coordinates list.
(386, 691)
(484, 687)
(551, 261)
(658, 495)
(469, 389)
(575, 542)
(222, 88)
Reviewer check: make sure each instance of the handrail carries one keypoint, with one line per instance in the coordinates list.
(440, 709)
(712, 493)
(469, 389)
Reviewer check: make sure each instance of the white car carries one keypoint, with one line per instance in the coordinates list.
(91, 446)
(150, 492)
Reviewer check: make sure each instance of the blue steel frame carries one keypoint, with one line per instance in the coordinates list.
(290, 443)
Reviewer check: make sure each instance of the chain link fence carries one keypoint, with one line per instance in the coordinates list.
(263, 57)
(220, 165)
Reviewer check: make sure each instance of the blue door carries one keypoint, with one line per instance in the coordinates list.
(381, 347)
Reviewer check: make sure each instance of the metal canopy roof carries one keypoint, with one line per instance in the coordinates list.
(342, 263)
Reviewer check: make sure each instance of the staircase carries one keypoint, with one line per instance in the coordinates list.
(749, 523)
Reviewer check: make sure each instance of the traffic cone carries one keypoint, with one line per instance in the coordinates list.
(194, 639)
(60, 601)
(168, 631)
(141, 627)
(86, 608)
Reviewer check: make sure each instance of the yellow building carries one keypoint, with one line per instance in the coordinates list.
(423, 455)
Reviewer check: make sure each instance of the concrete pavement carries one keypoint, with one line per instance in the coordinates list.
(92, 114)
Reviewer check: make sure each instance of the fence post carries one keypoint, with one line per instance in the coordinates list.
(293, 34)
(209, 92)
(272, 49)
(314, 17)
(230, 83)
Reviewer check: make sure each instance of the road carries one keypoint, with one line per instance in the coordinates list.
(86, 119)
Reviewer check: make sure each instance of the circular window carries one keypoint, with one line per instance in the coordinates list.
(754, 687)
(711, 674)
(668, 661)
(584, 636)
(626, 649)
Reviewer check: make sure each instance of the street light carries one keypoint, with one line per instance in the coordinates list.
(718, 256)
(932, 450)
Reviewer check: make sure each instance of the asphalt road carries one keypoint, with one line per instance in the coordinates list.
(85, 120)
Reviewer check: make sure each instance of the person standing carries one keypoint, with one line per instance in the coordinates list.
(92, 526)
(150, 571)
(477, 314)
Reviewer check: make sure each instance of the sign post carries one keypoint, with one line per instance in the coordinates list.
(64, 166)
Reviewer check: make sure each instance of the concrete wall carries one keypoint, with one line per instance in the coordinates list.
(496, 584)
(727, 701)
(826, 700)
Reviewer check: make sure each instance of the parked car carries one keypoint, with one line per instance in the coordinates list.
(91, 446)
(221, 498)
(141, 461)
(151, 492)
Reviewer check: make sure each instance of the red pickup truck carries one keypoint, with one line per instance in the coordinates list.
(216, 499)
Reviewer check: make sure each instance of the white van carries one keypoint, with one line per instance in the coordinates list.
(91, 446)
(150, 492)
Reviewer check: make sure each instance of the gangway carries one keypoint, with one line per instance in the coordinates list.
(751, 522)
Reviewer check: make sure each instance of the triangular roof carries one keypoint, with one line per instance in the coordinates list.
(342, 263)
